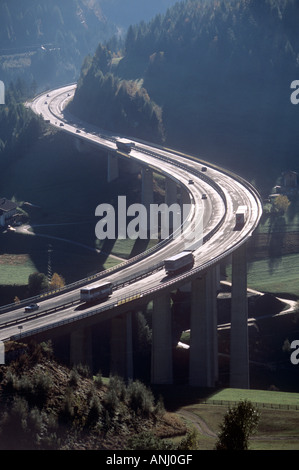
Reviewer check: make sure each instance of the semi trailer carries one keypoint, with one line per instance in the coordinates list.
(241, 216)
(124, 145)
(96, 292)
(179, 263)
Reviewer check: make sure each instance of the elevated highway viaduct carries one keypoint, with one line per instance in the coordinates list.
(143, 278)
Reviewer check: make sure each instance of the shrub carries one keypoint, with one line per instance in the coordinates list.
(67, 413)
(35, 389)
(83, 370)
(111, 401)
(95, 412)
(14, 425)
(140, 399)
(148, 441)
(74, 378)
(159, 408)
(117, 384)
(190, 442)
(98, 380)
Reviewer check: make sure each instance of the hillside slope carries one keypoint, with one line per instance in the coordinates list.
(220, 75)
(46, 41)
(45, 405)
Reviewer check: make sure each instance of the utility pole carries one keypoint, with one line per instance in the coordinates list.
(49, 263)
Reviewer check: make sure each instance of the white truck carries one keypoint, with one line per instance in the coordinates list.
(124, 145)
(96, 292)
(241, 216)
(179, 262)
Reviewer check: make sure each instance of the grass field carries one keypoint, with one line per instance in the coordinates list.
(26, 254)
(278, 428)
(15, 269)
(265, 397)
(275, 275)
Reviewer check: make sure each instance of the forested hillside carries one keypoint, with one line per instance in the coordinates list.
(214, 78)
(19, 127)
(46, 41)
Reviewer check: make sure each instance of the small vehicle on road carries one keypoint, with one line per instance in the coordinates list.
(31, 308)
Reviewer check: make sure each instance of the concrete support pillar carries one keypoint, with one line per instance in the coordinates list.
(147, 195)
(81, 347)
(147, 192)
(170, 197)
(170, 191)
(203, 371)
(121, 346)
(214, 290)
(185, 199)
(134, 167)
(161, 367)
(218, 277)
(113, 171)
(239, 356)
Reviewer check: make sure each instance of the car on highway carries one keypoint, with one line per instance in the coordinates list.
(204, 196)
(31, 308)
(204, 168)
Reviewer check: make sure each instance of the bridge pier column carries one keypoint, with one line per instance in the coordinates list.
(147, 196)
(161, 366)
(121, 362)
(170, 196)
(203, 367)
(81, 347)
(113, 171)
(134, 167)
(239, 356)
(147, 192)
(170, 191)
(184, 200)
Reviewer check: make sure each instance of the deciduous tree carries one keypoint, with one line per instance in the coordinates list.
(238, 424)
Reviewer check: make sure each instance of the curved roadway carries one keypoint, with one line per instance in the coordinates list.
(144, 276)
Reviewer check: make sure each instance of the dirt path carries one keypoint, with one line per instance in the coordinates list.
(199, 423)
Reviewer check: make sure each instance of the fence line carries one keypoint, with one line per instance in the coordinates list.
(274, 406)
